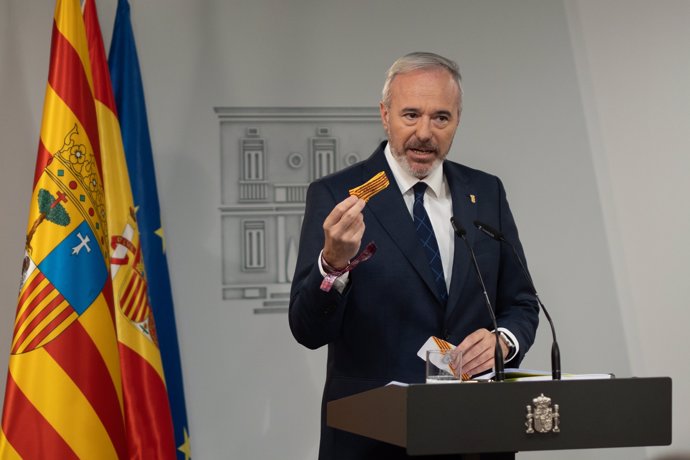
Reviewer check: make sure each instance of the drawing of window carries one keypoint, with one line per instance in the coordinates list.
(253, 159)
(323, 156)
(253, 187)
(254, 245)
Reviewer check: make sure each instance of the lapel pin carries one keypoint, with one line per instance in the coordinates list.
(473, 199)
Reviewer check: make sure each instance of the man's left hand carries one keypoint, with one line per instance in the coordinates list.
(478, 352)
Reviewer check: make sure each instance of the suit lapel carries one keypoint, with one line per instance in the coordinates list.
(465, 212)
(388, 208)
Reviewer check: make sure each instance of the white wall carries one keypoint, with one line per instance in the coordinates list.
(634, 69)
(579, 105)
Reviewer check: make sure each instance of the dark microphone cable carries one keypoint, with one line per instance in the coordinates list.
(555, 350)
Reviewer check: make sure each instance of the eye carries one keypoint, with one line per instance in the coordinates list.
(410, 115)
(442, 120)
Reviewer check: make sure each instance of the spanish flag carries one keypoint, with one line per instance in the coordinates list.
(148, 419)
(64, 396)
(131, 106)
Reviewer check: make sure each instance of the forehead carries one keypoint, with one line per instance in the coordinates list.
(425, 87)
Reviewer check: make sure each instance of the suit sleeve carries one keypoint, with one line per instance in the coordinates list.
(315, 316)
(516, 306)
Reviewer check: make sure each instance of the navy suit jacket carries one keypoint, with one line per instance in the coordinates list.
(390, 306)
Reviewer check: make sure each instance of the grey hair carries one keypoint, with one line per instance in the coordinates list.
(417, 61)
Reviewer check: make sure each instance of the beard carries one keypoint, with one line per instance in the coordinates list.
(420, 171)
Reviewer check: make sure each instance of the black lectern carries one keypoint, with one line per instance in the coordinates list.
(469, 418)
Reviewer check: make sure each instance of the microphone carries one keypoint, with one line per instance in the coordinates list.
(499, 364)
(555, 350)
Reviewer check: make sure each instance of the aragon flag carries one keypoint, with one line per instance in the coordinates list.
(63, 398)
(148, 420)
(131, 108)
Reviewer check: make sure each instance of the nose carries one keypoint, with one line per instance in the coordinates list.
(423, 131)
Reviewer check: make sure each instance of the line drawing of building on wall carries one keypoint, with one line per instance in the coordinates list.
(269, 155)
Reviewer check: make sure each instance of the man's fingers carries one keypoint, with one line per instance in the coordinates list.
(340, 209)
(473, 339)
(343, 230)
(479, 363)
(350, 220)
(477, 351)
(456, 360)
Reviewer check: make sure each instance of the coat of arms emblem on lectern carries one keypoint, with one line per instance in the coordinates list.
(542, 418)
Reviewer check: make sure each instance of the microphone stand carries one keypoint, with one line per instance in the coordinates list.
(555, 349)
(499, 364)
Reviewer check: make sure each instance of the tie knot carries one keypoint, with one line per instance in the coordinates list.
(419, 189)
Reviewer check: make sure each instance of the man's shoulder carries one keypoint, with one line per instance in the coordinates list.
(468, 174)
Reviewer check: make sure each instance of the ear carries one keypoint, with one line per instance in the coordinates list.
(384, 115)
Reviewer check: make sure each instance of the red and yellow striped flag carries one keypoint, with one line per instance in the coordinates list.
(64, 397)
(147, 411)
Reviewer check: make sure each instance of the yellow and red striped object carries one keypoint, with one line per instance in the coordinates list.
(148, 421)
(371, 187)
(85, 374)
(64, 397)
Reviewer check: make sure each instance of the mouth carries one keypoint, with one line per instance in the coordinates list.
(422, 152)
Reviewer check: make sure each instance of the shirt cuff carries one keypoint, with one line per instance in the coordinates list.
(516, 345)
(340, 283)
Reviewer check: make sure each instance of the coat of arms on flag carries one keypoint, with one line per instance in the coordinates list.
(64, 241)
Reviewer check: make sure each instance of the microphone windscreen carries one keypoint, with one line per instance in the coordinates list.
(459, 230)
(489, 230)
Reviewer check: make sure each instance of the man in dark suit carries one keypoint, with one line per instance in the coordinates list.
(375, 317)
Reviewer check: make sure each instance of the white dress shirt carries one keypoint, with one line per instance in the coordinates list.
(437, 202)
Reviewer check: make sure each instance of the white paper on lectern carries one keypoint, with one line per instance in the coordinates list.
(527, 375)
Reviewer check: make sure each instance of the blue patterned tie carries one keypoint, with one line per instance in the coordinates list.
(425, 232)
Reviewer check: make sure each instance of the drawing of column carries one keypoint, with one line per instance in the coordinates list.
(280, 245)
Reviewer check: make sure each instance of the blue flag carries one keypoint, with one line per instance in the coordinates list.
(129, 97)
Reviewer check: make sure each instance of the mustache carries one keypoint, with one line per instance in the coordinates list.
(416, 144)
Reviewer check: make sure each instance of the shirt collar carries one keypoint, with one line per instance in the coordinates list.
(406, 180)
